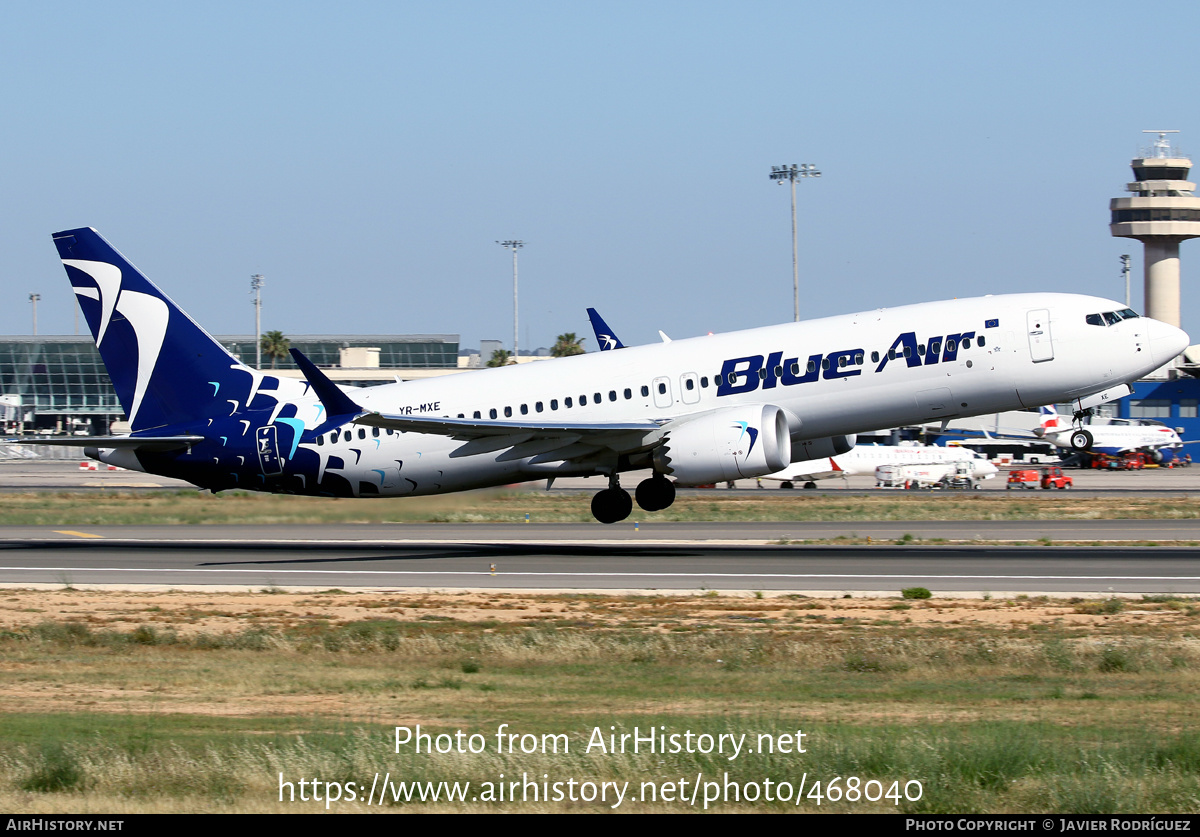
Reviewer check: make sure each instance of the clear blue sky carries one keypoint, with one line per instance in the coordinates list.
(366, 156)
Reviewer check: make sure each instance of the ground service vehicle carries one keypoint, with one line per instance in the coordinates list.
(1023, 478)
(1054, 477)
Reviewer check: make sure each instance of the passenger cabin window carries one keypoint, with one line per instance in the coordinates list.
(762, 374)
(553, 403)
(508, 412)
(812, 367)
(596, 398)
(375, 430)
(476, 415)
(935, 348)
(538, 406)
(320, 440)
(567, 402)
(875, 357)
(583, 401)
(690, 384)
(612, 395)
(645, 392)
(662, 388)
(825, 363)
(966, 343)
(492, 412)
(628, 393)
(704, 382)
(858, 359)
(980, 340)
(524, 409)
(362, 434)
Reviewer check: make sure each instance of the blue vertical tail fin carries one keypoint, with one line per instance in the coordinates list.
(604, 335)
(166, 369)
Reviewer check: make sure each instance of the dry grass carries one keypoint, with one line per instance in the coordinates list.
(195, 507)
(178, 701)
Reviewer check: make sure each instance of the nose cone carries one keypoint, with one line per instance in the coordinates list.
(1166, 341)
(985, 470)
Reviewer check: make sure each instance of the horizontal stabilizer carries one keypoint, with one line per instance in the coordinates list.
(336, 402)
(158, 443)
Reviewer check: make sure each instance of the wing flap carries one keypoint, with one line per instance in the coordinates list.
(468, 429)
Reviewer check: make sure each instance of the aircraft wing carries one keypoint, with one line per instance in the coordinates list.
(545, 441)
(794, 477)
(116, 442)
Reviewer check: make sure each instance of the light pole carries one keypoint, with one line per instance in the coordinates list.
(790, 174)
(33, 298)
(514, 245)
(1125, 273)
(256, 284)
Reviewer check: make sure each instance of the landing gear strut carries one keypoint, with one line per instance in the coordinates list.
(613, 503)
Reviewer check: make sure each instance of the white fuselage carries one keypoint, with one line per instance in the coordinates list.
(831, 377)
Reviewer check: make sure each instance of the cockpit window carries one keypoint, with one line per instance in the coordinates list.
(1111, 317)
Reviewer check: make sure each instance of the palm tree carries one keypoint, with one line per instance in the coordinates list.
(275, 346)
(567, 344)
(500, 357)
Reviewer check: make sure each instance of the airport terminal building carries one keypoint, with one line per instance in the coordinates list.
(58, 384)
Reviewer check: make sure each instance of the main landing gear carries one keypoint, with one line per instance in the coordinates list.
(614, 504)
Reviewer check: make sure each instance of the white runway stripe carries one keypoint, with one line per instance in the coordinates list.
(274, 571)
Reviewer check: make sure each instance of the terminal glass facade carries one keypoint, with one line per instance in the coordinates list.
(62, 381)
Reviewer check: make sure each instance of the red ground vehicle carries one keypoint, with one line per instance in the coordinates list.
(1023, 478)
(1126, 462)
(1053, 477)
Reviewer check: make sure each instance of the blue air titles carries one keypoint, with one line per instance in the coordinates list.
(749, 373)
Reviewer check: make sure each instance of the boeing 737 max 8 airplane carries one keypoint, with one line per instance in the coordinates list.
(700, 410)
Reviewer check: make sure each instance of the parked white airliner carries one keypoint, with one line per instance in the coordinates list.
(864, 459)
(1113, 439)
(700, 410)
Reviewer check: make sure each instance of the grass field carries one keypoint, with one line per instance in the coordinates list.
(195, 507)
(199, 701)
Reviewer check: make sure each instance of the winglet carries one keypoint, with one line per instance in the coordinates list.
(605, 337)
(336, 402)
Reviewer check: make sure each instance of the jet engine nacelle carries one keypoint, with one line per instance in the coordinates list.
(822, 448)
(726, 444)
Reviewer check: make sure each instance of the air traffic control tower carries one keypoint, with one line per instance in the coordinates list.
(1163, 212)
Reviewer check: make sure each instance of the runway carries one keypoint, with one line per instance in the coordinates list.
(950, 556)
(667, 557)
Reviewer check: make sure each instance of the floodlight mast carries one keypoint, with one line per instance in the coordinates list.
(790, 174)
(514, 245)
(256, 284)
